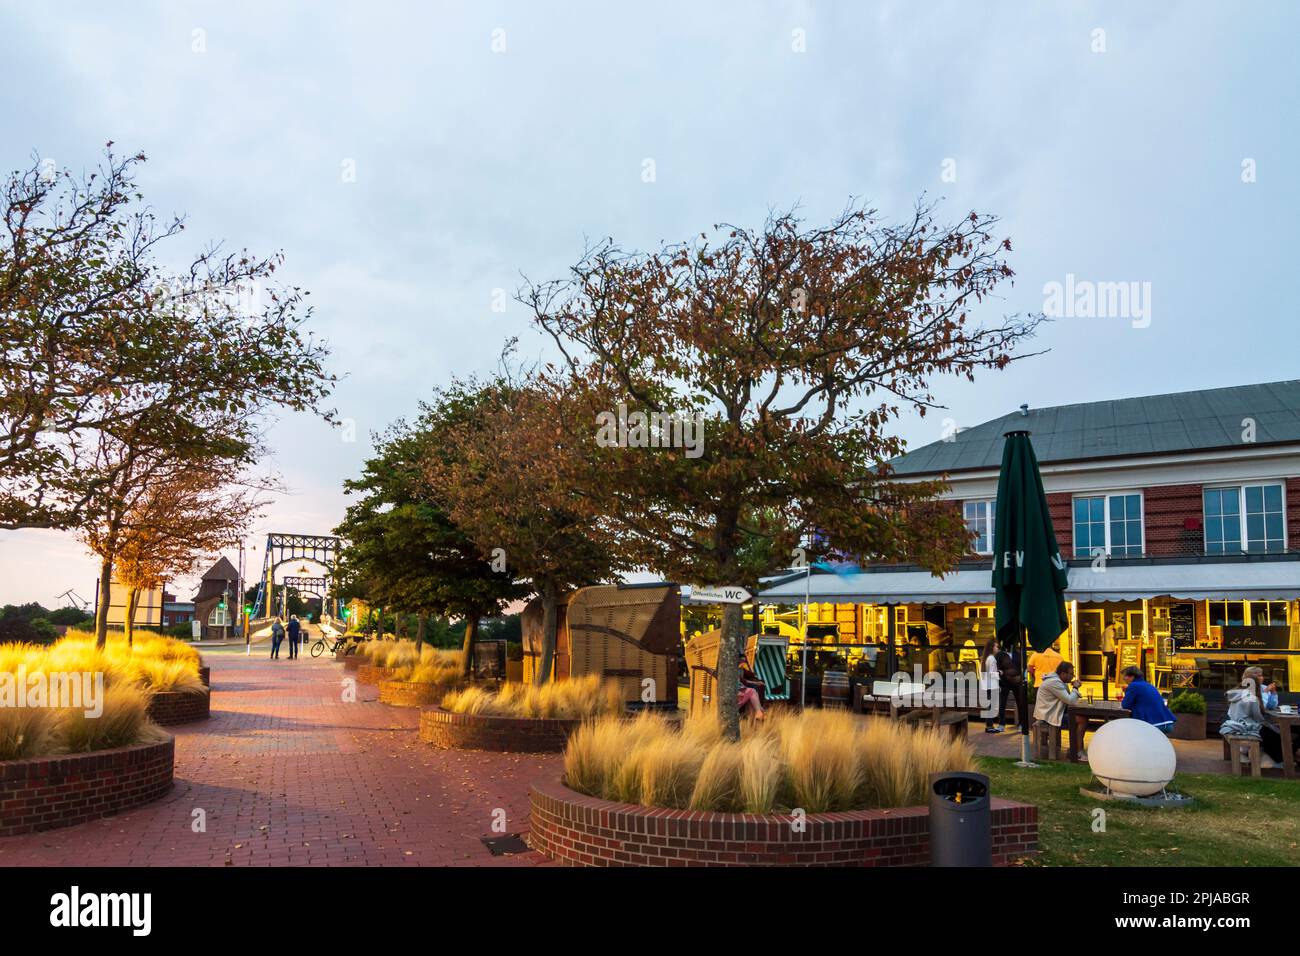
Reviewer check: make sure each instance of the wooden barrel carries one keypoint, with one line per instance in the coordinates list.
(835, 689)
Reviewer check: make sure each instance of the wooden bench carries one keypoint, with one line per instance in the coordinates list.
(1233, 746)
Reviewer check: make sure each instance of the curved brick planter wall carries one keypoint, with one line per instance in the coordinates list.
(483, 732)
(48, 792)
(172, 707)
(577, 830)
(352, 661)
(405, 693)
(205, 675)
(370, 674)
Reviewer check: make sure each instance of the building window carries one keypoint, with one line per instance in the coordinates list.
(979, 517)
(1108, 524)
(1257, 613)
(220, 617)
(1261, 506)
(979, 610)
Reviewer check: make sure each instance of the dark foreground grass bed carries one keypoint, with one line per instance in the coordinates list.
(1234, 822)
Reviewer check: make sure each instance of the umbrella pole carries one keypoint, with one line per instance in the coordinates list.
(1022, 706)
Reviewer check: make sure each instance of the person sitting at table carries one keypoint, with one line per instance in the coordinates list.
(1270, 735)
(1143, 701)
(1058, 690)
(1270, 696)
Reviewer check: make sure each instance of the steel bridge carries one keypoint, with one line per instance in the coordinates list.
(282, 549)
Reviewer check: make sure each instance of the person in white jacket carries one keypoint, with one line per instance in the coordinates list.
(1058, 691)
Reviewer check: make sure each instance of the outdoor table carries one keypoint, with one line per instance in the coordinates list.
(1081, 713)
(1285, 723)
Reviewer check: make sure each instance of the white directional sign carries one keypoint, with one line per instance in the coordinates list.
(736, 595)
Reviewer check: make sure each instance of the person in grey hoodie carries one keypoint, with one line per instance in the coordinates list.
(1247, 719)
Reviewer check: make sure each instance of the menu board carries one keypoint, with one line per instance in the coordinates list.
(1182, 624)
(1128, 654)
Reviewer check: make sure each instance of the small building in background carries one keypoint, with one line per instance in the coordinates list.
(174, 611)
(216, 603)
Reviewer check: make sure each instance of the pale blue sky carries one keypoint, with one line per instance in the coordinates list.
(473, 166)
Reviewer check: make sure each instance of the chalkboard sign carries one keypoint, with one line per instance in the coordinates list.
(1256, 637)
(1128, 654)
(1182, 624)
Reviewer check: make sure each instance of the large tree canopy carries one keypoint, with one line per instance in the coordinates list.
(792, 349)
(97, 338)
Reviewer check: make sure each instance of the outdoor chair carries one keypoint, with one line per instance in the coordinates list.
(1046, 740)
(1243, 750)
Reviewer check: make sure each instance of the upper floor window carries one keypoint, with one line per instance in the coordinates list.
(1244, 518)
(1108, 524)
(979, 517)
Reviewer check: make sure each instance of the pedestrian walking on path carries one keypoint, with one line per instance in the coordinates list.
(277, 637)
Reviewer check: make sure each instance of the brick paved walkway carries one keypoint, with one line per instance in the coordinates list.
(289, 774)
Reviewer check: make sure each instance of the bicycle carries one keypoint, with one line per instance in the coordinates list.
(321, 645)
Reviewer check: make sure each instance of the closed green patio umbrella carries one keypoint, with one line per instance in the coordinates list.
(1029, 575)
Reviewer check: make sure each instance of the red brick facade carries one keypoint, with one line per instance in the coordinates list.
(485, 732)
(44, 793)
(170, 708)
(577, 830)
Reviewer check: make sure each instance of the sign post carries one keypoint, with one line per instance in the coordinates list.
(720, 595)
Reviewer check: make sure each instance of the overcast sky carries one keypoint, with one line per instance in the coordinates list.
(1116, 141)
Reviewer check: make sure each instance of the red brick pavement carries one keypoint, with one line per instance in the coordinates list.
(289, 774)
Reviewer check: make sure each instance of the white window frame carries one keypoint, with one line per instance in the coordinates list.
(1240, 487)
(219, 616)
(990, 506)
(1106, 496)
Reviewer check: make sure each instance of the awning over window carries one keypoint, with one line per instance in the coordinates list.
(886, 587)
(1251, 580)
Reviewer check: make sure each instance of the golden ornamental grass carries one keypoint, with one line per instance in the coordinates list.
(574, 699)
(817, 761)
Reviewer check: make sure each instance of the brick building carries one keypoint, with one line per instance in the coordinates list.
(217, 601)
(1180, 517)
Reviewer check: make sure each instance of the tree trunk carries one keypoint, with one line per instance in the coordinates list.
(420, 622)
(550, 625)
(729, 670)
(101, 612)
(132, 601)
(467, 648)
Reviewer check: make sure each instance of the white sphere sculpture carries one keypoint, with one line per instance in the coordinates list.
(1130, 756)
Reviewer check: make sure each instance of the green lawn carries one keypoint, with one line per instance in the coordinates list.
(1234, 822)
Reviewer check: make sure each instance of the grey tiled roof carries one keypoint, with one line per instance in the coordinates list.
(1177, 422)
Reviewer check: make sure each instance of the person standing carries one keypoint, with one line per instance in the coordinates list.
(295, 634)
(1010, 682)
(1110, 637)
(989, 685)
(277, 637)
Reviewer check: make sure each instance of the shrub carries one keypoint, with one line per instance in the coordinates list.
(1187, 702)
(124, 721)
(818, 761)
(572, 699)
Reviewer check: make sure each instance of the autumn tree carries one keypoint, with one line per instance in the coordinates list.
(401, 548)
(180, 519)
(510, 483)
(792, 350)
(98, 338)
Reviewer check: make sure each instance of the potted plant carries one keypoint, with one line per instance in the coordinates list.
(1189, 713)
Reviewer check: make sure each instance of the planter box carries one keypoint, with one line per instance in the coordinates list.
(405, 693)
(577, 830)
(205, 675)
(370, 674)
(485, 732)
(1188, 727)
(171, 707)
(45, 793)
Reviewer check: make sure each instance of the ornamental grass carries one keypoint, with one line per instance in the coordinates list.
(574, 699)
(817, 761)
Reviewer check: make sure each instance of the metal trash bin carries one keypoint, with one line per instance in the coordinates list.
(961, 820)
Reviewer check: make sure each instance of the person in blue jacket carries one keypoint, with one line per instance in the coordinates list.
(1144, 702)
